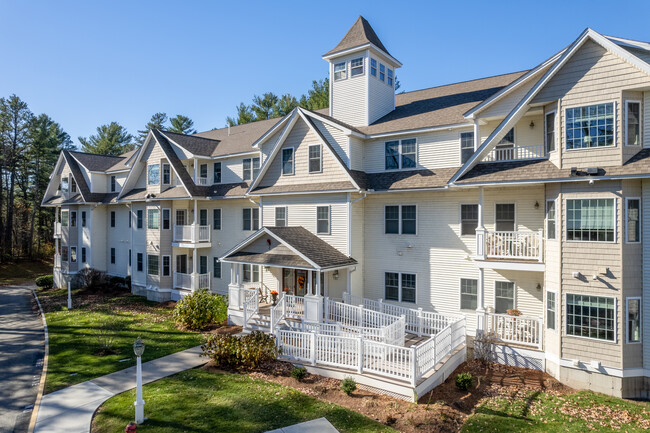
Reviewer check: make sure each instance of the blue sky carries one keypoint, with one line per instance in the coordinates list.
(86, 63)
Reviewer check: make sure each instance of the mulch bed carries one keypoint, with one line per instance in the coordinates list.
(444, 409)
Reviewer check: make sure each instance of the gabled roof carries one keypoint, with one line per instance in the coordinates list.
(239, 138)
(126, 162)
(361, 33)
(176, 163)
(196, 145)
(309, 250)
(96, 162)
(80, 179)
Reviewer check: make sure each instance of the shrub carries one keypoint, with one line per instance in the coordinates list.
(240, 351)
(299, 373)
(464, 381)
(90, 279)
(200, 309)
(106, 333)
(483, 347)
(348, 385)
(46, 281)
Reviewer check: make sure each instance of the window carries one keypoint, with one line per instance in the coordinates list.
(130, 217)
(152, 264)
(64, 254)
(391, 219)
(315, 158)
(203, 217)
(468, 219)
(139, 262)
(113, 184)
(400, 286)
(64, 218)
(340, 72)
(373, 67)
(73, 185)
(73, 218)
(251, 273)
(400, 219)
(590, 220)
(632, 123)
(203, 264)
(549, 131)
(401, 154)
(505, 217)
(153, 174)
(203, 171)
(550, 219)
(633, 219)
(64, 184)
(382, 72)
(466, 146)
(389, 80)
(323, 220)
(216, 219)
(153, 219)
(251, 168)
(551, 308)
(166, 219)
(113, 256)
(409, 220)
(180, 217)
(73, 254)
(167, 174)
(83, 218)
(590, 126)
(287, 160)
(509, 138)
(217, 172)
(140, 218)
(112, 218)
(356, 67)
(251, 218)
(166, 266)
(591, 317)
(129, 257)
(468, 294)
(281, 216)
(504, 296)
(633, 314)
(83, 254)
(216, 267)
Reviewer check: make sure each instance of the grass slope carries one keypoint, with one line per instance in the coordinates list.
(201, 401)
(21, 272)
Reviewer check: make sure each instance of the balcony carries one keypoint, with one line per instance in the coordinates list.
(517, 330)
(192, 281)
(202, 181)
(188, 236)
(518, 250)
(57, 230)
(57, 261)
(516, 153)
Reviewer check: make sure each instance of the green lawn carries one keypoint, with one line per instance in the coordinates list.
(545, 412)
(202, 401)
(75, 345)
(23, 271)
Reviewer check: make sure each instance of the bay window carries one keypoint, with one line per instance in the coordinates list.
(633, 220)
(590, 220)
(633, 314)
(632, 123)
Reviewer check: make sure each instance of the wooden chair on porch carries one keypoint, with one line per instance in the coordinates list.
(263, 295)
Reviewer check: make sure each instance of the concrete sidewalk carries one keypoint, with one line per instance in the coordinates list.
(71, 409)
(319, 425)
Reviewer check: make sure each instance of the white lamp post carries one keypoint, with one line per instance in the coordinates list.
(69, 297)
(138, 349)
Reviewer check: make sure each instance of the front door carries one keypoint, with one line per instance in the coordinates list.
(295, 281)
(181, 263)
(301, 282)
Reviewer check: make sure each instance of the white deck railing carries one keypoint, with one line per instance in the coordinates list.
(57, 230)
(516, 153)
(522, 330)
(519, 245)
(250, 304)
(57, 260)
(191, 233)
(201, 180)
(192, 281)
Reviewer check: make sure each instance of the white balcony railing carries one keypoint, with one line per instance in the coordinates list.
(201, 180)
(191, 233)
(516, 153)
(57, 230)
(192, 281)
(519, 245)
(57, 260)
(522, 330)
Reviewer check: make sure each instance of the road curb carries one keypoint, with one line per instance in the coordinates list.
(41, 385)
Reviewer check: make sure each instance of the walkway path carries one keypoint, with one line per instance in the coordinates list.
(71, 409)
(21, 357)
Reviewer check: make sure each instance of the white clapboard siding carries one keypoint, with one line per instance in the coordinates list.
(356, 152)
(349, 97)
(505, 104)
(645, 214)
(336, 138)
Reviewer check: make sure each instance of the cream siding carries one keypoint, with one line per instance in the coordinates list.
(356, 146)
(349, 97)
(336, 138)
(645, 130)
(645, 238)
(381, 96)
(507, 103)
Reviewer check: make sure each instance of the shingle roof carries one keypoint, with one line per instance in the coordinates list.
(176, 163)
(415, 179)
(359, 34)
(96, 162)
(241, 137)
(196, 145)
(169, 193)
(82, 185)
(126, 158)
(305, 187)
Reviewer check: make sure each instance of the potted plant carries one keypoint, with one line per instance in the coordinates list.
(274, 296)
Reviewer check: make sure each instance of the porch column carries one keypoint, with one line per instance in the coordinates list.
(480, 229)
(480, 303)
(310, 283)
(318, 288)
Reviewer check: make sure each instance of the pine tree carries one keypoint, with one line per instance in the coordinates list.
(318, 96)
(244, 115)
(111, 139)
(182, 125)
(285, 105)
(264, 106)
(157, 121)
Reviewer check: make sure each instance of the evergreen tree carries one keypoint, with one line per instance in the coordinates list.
(264, 106)
(111, 139)
(318, 96)
(244, 115)
(182, 125)
(285, 105)
(157, 121)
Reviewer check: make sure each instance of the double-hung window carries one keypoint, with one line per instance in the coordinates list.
(166, 266)
(73, 218)
(550, 219)
(504, 296)
(216, 267)
(64, 184)
(73, 254)
(153, 262)
(633, 315)
(400, 219)
(281, 216)
(113, 184)
(83, 218)
(64, 218)
(468, 219)
(112, 218)
(251, 217)
(140, 218)
(551, 310)
(166, 219)
(323, 220)
(382, 72)
(73, 185)
(251, 168)
(167, 174)
(399, 286)
(153, 174)
(153, 219)
(250, 273)
(591, 316)
(389, 79)
(356, 67)
(373, 67)
(217, 172)
(112, 256)
(315, 159)
(466, 146)
(468, 294)
(632, 220)
(203, 174)
(400, 154)
(139, 259)
(216, 219)
(590, 126)
(632, 123)
(505, 217)
(590, 220)
(340, 72)
(203, 217)
(287, 161)
(549, 131)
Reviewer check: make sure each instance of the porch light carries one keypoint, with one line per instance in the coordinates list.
(532, 124)
(536, 205)
(335, 275)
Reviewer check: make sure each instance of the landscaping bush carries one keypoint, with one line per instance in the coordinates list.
(46, 281)
(200, 309)
(464, 381)
(90, 279)
(106, 332)
(240, 351)
(348, 385)
(299, 373)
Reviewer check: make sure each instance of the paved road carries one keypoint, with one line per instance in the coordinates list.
(21, 357)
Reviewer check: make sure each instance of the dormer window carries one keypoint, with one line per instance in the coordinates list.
(73, 185)
(153, 174)
(251, 168)
(64, 184)
(315, 159)
(382, 72)
(373, 67)
(390, 78)
(340, 73)
(466, 146)
(356, 67)
(217, 172)
(401, 154)
(632, 123)
(167, 175)
(287, 161)
(113, 184)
